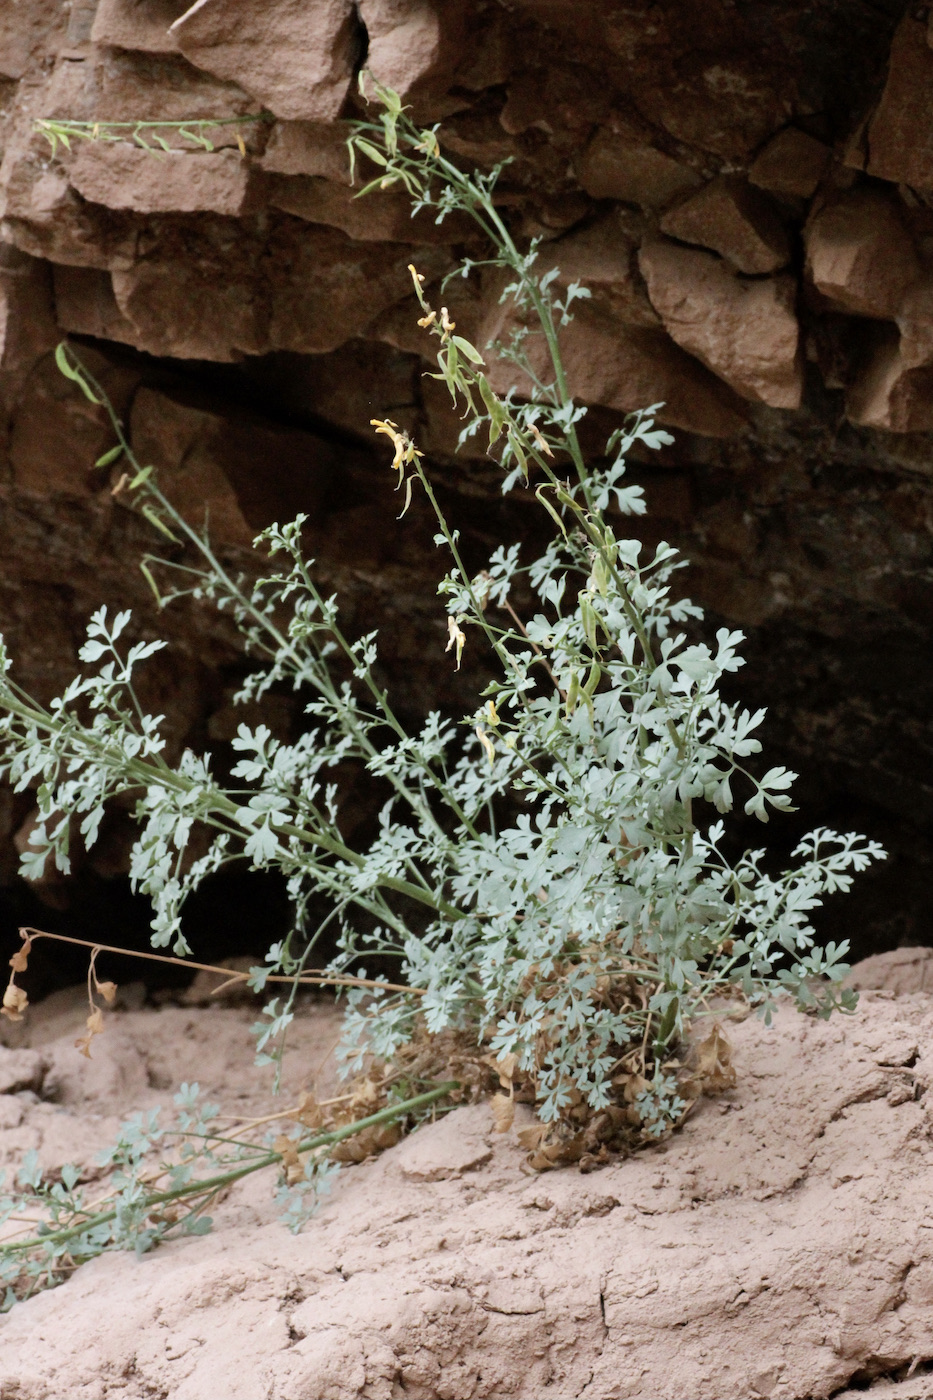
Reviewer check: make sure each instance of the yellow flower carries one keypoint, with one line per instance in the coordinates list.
(457, 638)
(405, 449)
(487, 744)
(541, 441)
(428, 144)
(406, 454)
(418, 279)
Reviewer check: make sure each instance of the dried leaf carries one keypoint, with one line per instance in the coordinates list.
(367, 1143)
(365, 1097)
(95, 1026)
(15, 1002)
(20, 958)
(287, 1149)
(108, 991)
(714, 1070)
(387, 1135)
(532, 1137)
(558, 1153)
(168, 1215)
(505, 1066)
(503, 1112)
(309, 1113)
(635, 1084)
(350, 1150)
(590, 1161)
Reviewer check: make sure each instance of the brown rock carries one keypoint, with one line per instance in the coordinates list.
(80, 22)
(745, 332)
(792, 164)
(296, 58)
(412, 42)
(860, 257)
(207, 464)
(123, 176)
(46, 217)
(727, 105)
(903, 971)
(489, 57)
(181, 441)
(57, 435)
(111, 84)
(36, 195)
(26, 27)
(192, 311)
(27, 326)
(21, 1069)
(30, 188)
(609, 360)
(476, 313)
(726, 108)
(85, 305)
(78, 240)
(735, 220)
(443, 1151)
(299, 286)
(526, 105)
(309, 148)
(138, 24)
(900, 136)
(622, 367)
(439, 428)
(915, 322)
(694, 1287)
(628, 368)
(344, 387)
(332, 289)
(381, 216)
(889, 393)
(602, 259)
(43, 215)
(621, 163)
(854, 153)
(123, 86)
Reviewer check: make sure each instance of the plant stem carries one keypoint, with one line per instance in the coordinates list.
(212, 1184)
(305, 978)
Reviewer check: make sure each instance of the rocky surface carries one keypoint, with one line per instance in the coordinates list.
(778, 1244)
(747, 190)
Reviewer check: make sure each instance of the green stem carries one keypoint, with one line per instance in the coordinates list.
(212, 1184)
(138, 773)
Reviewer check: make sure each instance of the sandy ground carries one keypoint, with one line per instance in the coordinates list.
(780, 1244)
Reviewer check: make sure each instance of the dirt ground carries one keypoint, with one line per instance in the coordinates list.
(780, 1244)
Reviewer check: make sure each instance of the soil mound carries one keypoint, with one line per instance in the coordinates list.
(779, 1245)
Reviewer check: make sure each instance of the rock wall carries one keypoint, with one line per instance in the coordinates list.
(745, 185)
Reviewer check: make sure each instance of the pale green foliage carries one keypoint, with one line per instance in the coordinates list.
(605, 914)
(161, 1178)
(72, 1230)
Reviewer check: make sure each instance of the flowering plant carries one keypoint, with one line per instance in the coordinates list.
(550, 877)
